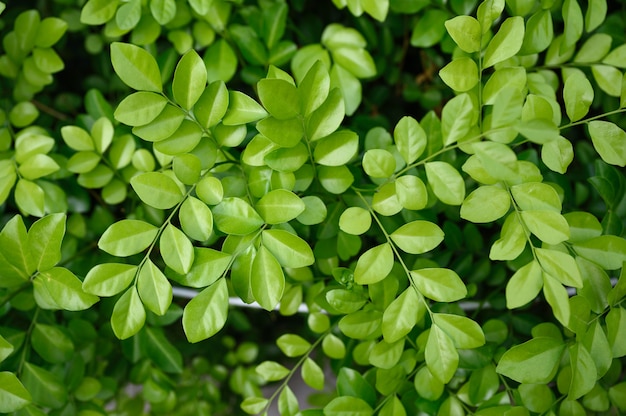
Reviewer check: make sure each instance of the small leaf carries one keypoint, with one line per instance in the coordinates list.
(293, 345)
(446, 182)
(608, 140)
(441, 356)
(52, 344)
(337, 149)
(410, 139)
(154, 288)
(64, 289)
(127, 237)
(441, 285)
(254, 405)
(374, 265)
(206, 313)
(196, 219)
(327, 117)
(235, 216)
(524, 286)
(176, 249)
(44, 240)
(584, 372)
(272, 371)
(457, 118)
(13, 395)
(46, 388)
(355, 220)
(506, 42)
(268, 281)
(464, 332)
(157, 189)
(279, 97)
(379, 163)
(461, 74)
(109, 279)
(312, 374)
(549, 226)
(242, 109)
(161, 351)
(534, 361)
(344, 405)
(190, 79)
(279, 206)
(486, 204)
(212, 105)
(417, 237)
(402, 314)
(578, 95)
(136, 67)
(466, 32)
(559, 265)
(289, 249)
(128, 315)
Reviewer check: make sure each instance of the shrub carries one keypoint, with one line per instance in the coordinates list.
(422, 198)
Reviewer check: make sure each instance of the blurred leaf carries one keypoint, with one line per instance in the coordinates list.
(52, 344)
(165, 355)
(293, 345)
(312, 374)
(46, 388)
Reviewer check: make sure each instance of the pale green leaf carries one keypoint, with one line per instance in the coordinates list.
(157, 189)
(461, 74)
(549, 226)
(279, 206)
(446, 182)
(268, 279)
(417, 237)
(524, 286)
(486, 204)
(212, 104)
(374, 265)
(272, 371)
(464, 332)
(355, 220)
(441, 285)
(410, 139)
(347, 405)
(293, 345)
(154, 288)
(506, 42)
(190, 79)
(242, 109)
(128, 315)
(441, 356)
(196, 219)
(13, 394)
(44, 241)
(136, 67)
(176, 249)
(109, 279)
(584, 373)
(206, 313)
(279, 97)
(127, 237)
(608, 78)
(466, 32)
(534, 361)
(457, 118)
(608, 251)
(609, 141)
(559, 265)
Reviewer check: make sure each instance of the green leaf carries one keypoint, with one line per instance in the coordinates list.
(441, 356)
(279, 97)
(268, 284)
(176, 249)
(402, 315)
(46, 388)
(98, 12)
(157, 189)
(411, 192)
(137, 109)
(347, 405)
(608, 251)
(559, 265)
(50, 30)
(393, 407)
(154, 288)
(350, 86)
(446, 182)
(355, 220)
(524, 285)
(557, 154)
(578, 95)
(272, 371)
(557, 298)
(466, 32)
(221, 61)
(52, 344)
(417, 237)
(208, 266)
(159, 349)
(461, 74)
(536, 397)
(345, 301)
(29, 198)
(410, 139)
(535, 361)
(573, 22)
(136, 67)
(127, 237)
(212, 104)
(608, 140)
(254, 405)
(506, 42)
(190, 79)
(584, 372)
(486, 204)
(374, 265)
(385, 354)
(288, 402)
(539, 33)
(428, 386)
(337, 149)
(549, 226)
(616, 331)
(335, 179)
(6, 348)
(279, 206)
(312, 374)
(109, 279)
(379, 163)
(457, 118)
(77, 138)
(430, 28)
(361, 324)
(293, 345)
(163, 11)
(196, 219)
(357, 61)
(441, 285)
(327, 117)
(314, 88)
(464, 332)
(290, 250)
(44, 241)
(242, 109)
(333, 347)
(15, 257)
(13, 394)
(128, 15)
(206, 313)
(235, 216)
(128, 315)
(64, 289)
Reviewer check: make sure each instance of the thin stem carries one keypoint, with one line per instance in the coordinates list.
(26, 343)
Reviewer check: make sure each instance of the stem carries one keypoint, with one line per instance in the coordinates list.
(26, 343)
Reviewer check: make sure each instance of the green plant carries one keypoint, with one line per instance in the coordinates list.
(435, 183)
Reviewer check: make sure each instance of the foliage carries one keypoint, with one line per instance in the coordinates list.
(423, 198)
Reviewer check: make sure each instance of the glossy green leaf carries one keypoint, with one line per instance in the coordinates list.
(128, 315)
(457, 118)
(335, 179)
(428, 386)
(127, 237)
(196, 219)
(461, 74)
(161, 351)
(557, 154)
(524, 286)
(379, 163)
(401, 316)
(534, 361)
(327, 117)
(466, 32)
(221, 61)
(385, 354)
(464, 332)
(13, 394)
(176, 249)
(446, 182)
(109, 279)
(344, 405)
(417, 237)
(548, 226)
(64, 288)
(485, 204)
(355, 220)
(584, 372)
(289, 249)
(293, 345)
(312, 374)
(15, 252)
(573, 22)
(410, 139)
(333, 347)
(357, 61)
(37, 166)
(29, 198)
(608, 140)
(272, 371)
(279, 97)
(337, 149)
(539, 33)
(77, 138)
(361, 324)
(314, 88)
(136, 67)
(50, 30)
(350, 86)
(212, 104)
(128, 15)
(411, 192)
(206, 313)
(607, 251)
(156, 189)
(345, 301)
(578, 95)
(506, 42)
(559, 265)
(46, 388)
(52, 344)
(97, 12)
(163, 11)
(242, 109)
(441, 356)
(374, 265)
(154, 288)
(44, 241)
(254, 405)
(189, 81)
(279, 206)
(608, 78)
(268, 281)
(441, 285)
(536, 397)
